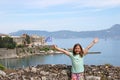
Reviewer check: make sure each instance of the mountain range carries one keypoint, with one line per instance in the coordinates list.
(113, 32)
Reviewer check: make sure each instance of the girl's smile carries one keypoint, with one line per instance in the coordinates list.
(77, 50)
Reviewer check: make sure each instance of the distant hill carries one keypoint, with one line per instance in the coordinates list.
(113, 32)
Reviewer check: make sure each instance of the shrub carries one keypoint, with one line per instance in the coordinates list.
(2, 67)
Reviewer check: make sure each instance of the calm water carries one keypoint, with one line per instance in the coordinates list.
(109, 54)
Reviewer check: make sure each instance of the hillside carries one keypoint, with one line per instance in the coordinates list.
(113, 32)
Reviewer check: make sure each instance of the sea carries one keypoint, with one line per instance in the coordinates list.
(108, 54)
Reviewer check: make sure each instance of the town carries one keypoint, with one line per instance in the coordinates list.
(23, 40)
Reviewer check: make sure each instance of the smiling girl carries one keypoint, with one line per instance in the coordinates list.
(77, 59)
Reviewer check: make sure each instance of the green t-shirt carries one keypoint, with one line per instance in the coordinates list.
(77, 63)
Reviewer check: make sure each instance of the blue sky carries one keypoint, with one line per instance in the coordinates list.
(54, 15)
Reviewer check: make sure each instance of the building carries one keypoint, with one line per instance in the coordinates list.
(25, 39)
(34, 40)
(37, 40)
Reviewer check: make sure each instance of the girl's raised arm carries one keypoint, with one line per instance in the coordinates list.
(61, 50)
(90, 45)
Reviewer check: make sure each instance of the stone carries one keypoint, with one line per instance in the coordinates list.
(33, 69)
(2, 73)
(63, 72)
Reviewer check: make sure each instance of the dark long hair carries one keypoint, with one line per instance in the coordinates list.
(81, 53)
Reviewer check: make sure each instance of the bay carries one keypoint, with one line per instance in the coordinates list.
(109, 49)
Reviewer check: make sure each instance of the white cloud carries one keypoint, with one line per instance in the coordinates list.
(72, 3)
(53, 3)
(100, 3)
(47, 3)
(45, 14)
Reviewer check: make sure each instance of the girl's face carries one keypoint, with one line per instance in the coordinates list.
(77, 49)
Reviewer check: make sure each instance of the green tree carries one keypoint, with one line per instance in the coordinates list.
(7, 42)
(27, 39)
(1, 43)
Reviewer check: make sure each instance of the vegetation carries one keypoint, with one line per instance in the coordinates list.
(2, 67)
(45, 48)
(27, 39)
(7, 42)
(20, 46)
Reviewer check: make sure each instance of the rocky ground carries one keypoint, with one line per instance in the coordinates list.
(61, 72)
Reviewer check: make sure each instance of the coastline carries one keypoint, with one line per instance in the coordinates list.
(20, 52)
(23, 52)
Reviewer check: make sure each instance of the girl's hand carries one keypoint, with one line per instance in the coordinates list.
(61, 50)
(95, 40)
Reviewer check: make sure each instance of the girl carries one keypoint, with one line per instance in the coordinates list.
(77, 59)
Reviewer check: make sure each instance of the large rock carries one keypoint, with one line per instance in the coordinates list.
(2, 73)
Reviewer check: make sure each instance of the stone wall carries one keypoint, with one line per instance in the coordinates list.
(63, 72)
(18, 52)
(22, 52)
(7, 53)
